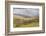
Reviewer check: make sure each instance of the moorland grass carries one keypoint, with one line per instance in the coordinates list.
(30, 23)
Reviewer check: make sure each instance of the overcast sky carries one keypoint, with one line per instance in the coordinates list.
(26, 11)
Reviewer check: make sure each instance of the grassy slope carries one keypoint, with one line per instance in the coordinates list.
(32, 24)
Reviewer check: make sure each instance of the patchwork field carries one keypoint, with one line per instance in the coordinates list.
(19, 21)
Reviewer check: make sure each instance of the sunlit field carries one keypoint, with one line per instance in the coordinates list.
(19, 21)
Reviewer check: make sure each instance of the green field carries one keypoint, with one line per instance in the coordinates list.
(25, 22)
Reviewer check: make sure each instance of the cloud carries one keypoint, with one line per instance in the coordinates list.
(26, 11)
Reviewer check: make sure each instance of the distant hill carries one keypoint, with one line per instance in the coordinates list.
(26, 16)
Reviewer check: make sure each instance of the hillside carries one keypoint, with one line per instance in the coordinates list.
(20, 20)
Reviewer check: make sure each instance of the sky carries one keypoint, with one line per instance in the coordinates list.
(26, 11)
